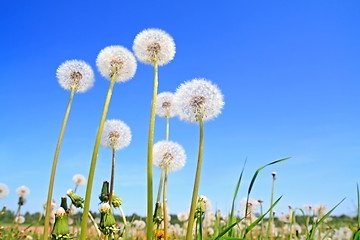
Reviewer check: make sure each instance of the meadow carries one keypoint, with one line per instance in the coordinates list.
(195, 101)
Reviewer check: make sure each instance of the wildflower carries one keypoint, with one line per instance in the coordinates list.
(203, 205)
(153, 44)
(251, 207)
(61, 227)
(23, 191)
(160, 235)
(107, 220)
(284, 218)
(168, 154)
(75, 74)
(165, 105)
(20, 219)
(198, 98)
(4, 190)
(75, 199)
(116, 60)
(116, 134)
(182, 217)
(139, 224)
(79, 180)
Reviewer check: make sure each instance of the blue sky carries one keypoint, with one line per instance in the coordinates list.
(289, 71)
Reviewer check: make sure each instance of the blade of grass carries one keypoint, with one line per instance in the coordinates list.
(315, 225)
(236, 192)
(227, 229)
(358, 197)
(254, 178)
(306, 223)
(248, 229)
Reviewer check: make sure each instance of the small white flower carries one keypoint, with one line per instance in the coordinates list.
(116, 134)
(116, 60)
(139, 224)
(208, 204)
(75, 74)
(153, 44)
(79, 180)
(168, 154)
(23, 191)
(182, 217)
(198, 98)
(165, 105)
(20, 219)
(4, 190)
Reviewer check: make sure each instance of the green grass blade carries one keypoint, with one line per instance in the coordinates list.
(254, 178)
(227, 229)
(305, 220)
(315, 225)
(236, 192)
(256, 222)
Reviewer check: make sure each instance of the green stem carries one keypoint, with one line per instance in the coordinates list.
(149, 225)
(37, 224)
(51, 185)
(164, 205)
(16, 214)
(294, 223)
(112, 177)
(196, 185)
(270, 212)
(124, 220)
(262, 222)
(95, 225)
(160, 185)
(93, 161)
(290, 224)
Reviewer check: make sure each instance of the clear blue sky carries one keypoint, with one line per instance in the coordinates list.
(289, 71)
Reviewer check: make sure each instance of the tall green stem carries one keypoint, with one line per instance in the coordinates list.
(196, 185)
(271, 212)
(162, 172)
(124, 220)
(93, 162)
(164, 205)
(51, 185)
(112, 177)
(149, 225)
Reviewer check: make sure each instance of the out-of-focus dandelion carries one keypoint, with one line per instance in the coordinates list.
(197, 101)
(155, 47)
(76, 76)
(4, 190)
(117, 64)
(22, 191)
(182, 217)
(20, 219)
(79, 180)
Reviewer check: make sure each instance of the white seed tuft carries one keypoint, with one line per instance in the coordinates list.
(167, 154)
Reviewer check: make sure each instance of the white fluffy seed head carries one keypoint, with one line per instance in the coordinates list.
(116, 134)
(4, 190)
(167, 154)
(105, 207)
(79, 180)
(198, 98)
(116, 60)
(75, 74)
(153, 44)
(20, 219)
(22, 191)
(165, 105)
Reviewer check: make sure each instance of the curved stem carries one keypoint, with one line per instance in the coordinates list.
(196, 185)
(95, 225)
(112, 177)
(51, 185)
(93, 162)
(149, 225)
(164, 205)
(16, 214)
(124, 220)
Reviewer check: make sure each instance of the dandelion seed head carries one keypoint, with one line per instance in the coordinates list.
(4, 190)
(182, 217)
(168, 154)
(105, 207)
(79, 180)
(22, 191)
(116, 60)
(165, 105)
(154, 43)
(116, 134)
(198, 98)
(75, 74)
(20, 219)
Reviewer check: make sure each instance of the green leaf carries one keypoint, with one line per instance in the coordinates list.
(227, 229)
